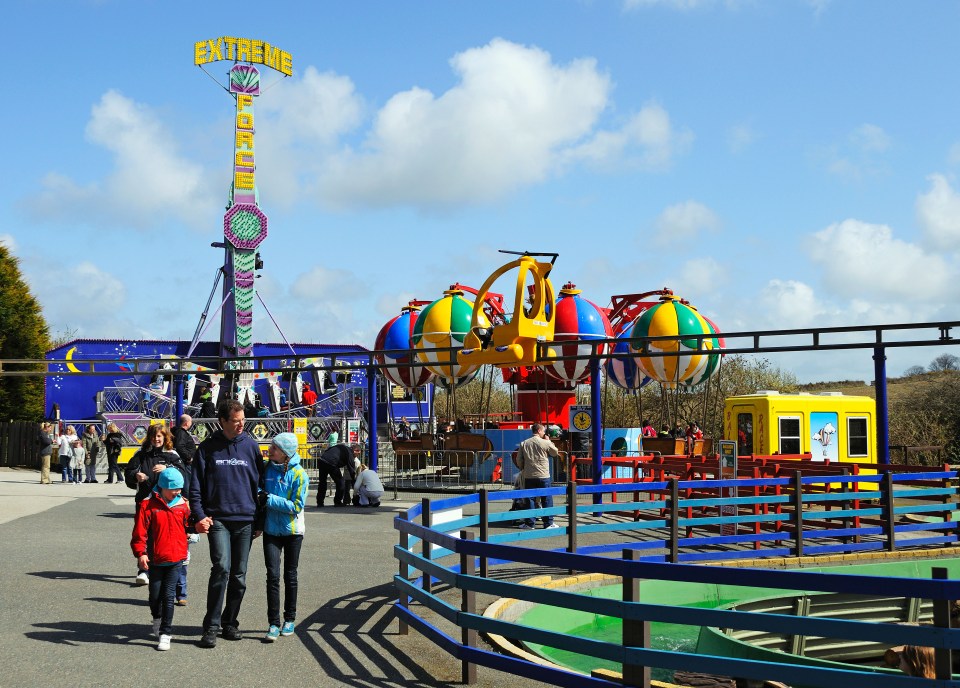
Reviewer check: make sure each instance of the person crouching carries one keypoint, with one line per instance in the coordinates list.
(159, 543)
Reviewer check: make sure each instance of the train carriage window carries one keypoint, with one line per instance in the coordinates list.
(857, 437)
(744, 434)
(789, 434)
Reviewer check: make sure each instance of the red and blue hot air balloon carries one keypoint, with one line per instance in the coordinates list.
(624, 372)
(576, 319)
(397, 334)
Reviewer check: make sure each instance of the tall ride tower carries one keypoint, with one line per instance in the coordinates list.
(244, 224)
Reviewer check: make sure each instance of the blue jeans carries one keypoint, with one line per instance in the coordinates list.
(539, 502)
(229, 551)
(163, 580)
(289, 547)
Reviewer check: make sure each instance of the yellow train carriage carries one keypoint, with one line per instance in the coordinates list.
(830, 426)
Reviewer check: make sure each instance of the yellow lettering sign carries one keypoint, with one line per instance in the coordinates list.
(243, 159)
(244, 100)
(231, 45)
(245, 121)
(242, 50)
(244, 140)
(243, 180)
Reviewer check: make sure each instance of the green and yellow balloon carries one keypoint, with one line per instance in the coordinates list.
(442, 324)
(694, 363)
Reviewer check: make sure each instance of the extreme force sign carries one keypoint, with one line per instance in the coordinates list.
(242, 50)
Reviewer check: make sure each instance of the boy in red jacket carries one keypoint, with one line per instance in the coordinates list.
(159, 543)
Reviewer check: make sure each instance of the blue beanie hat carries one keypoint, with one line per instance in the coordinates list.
(287, 442)
(170, 479)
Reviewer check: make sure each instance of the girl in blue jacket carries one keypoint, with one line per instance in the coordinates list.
(284, 496)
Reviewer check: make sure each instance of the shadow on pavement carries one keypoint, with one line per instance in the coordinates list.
(356, 628)
(125, 580)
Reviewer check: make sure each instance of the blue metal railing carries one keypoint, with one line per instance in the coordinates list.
(683, 527)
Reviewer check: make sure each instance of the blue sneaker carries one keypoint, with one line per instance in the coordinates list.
(287, 628)
(272, 634)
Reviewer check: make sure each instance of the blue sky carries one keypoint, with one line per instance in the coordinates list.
(778, 163)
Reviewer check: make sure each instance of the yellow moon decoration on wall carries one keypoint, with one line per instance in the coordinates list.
(69, 357)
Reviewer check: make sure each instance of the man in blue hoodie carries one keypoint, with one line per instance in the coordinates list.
(227, 477)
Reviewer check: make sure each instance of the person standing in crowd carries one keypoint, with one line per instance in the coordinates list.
(67, 439)
(309, 396)
(334, 436)
(677, 432)
(226, 479)
(368, 489)
(159, 542)
(144, 468)
(46, 451)
(533, 460)
(113, 441)
(77, 460)
(92, 446)
(285, 495)
(183, 442)
(403, 429)
(185, 447)
(332, 460)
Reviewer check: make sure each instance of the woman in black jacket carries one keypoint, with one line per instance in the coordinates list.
(113, 441)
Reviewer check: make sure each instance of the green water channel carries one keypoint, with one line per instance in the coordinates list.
(680, 637)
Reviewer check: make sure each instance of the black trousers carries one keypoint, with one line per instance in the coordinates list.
(333, 472)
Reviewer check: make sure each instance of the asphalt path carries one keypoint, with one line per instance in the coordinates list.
(70, 614)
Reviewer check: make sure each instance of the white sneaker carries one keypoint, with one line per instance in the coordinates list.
(193, 537)
(164, 643)
(142, 578)
(552, 526)
(155, 628)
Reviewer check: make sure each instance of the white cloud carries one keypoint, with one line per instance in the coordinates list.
(8, 241)
(150, 181)
(82, 297)
(791, 304)
(860, 156)
(938, 213)
(299, 124)
(870, 137)
(683, 222)
(740, 137)
(647, 141)
(504, 126)
(953, 155)
(862, 260)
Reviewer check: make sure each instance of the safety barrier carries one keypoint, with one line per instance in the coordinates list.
(908, 510)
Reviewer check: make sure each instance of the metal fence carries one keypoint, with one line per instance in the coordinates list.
(911, 510)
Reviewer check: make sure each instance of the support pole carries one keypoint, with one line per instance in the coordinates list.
(403, 600)
(889, 514)
(943, 656)
(636, 632)
(372, 454)
(571, 520)
(596, 427)
(468, 605)
(798, 513)
(883, 418)
(674, 543)
(427, 552)
(484, 527)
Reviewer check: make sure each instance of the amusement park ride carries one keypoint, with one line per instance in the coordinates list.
(547, 345)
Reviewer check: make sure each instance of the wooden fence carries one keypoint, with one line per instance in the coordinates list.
(18, 444)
